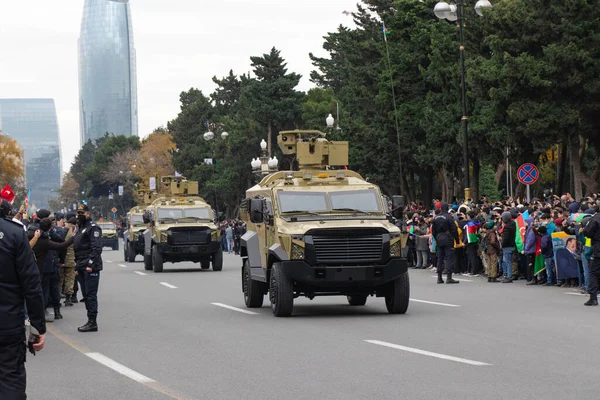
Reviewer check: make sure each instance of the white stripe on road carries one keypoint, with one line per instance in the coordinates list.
(435, 303)
(122, 265)
(456, 279)
(168, 285)
(139, 273)
(234, 308)
(108, 261)
(428, 353)
(115, 366)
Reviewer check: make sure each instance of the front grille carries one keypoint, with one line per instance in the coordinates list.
(189, 237)
(348, 246)
(109, 235)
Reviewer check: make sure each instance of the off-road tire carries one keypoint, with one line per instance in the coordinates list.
(217, 260)
(397, 298)
(157, 259)
(205, 264)
(130, 254)
(148, 262)
(254, 291)
(116, 246)
(125, 255)
(281, 292)
(357, 300)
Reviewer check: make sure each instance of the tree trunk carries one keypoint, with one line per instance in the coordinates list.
(269, 138)
(475, 180)
(426, 178)
(562, 166)
(446, 185)
(499, 172)
(576, 149)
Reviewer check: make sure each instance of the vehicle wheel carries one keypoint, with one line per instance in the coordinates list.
(357, 300)
(125, 255)
(396, 300)
(130, 254)
(157, 259)
(217, 260)
(205, 264)
(148, 262)
(281, 292)
(254, 292)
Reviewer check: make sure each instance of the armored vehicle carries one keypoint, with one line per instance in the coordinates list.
(180, 228)
(321, 231)
(133, 237)
(109, 234)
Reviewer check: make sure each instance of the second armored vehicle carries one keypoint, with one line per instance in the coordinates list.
(133, 237)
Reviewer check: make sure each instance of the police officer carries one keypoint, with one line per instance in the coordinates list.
(445, 233)
(592, 231)
(88, 264)
(19, 284)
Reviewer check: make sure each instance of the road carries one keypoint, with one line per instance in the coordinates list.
(171, 336)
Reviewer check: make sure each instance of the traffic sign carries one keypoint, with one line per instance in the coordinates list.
(114, 210)
(528, 174)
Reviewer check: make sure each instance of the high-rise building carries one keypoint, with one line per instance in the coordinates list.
(107, 71)
(33, 124)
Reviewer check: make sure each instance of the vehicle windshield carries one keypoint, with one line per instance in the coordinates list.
(166, 214)
(314, 202)
(137, 219)
(107, 226)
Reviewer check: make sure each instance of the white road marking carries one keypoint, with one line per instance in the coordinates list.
(168, 285)
(435, 303)
(428, 353)
(234, 308)
(140, 273)
(577, 294)
(115, 366)
(122, 265)
(108, 261)
(456, 279)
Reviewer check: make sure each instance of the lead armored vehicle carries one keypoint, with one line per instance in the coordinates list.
(320, 231)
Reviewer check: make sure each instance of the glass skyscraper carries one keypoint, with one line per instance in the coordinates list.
(33, 124)
(107, 71)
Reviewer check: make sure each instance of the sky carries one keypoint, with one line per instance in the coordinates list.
(179, 43)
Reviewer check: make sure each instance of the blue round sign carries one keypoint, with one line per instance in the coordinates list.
(528, 174)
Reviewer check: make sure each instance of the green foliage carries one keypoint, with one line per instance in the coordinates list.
(487, 184)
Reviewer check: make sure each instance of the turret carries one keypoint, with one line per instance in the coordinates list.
(167, 187)
(313, 151)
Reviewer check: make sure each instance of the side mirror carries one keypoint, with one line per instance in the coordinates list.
(146, 217)
(257, 211)
(397, 206)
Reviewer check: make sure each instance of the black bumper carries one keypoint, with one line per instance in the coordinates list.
(189, 251)
(110, 242)
(344, 276)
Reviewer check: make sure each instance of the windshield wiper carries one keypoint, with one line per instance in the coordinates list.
(300, 212)
(166, 219)
(350, 209)
(196, 218)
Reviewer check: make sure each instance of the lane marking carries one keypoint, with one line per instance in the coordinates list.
(435, 303)
(108, 261)
(456, 279)
(428, 353)
(234, 308)
(168, 285)
(122, 265)
(577, 294)
(120, 368)
(140, 273)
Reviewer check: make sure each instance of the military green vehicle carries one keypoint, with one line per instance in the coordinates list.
(321, 231)
(133, 237)
(180, 228)
(109, 234)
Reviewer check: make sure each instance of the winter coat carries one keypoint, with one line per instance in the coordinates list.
(530, 238)
(509, 232)
(492, 244)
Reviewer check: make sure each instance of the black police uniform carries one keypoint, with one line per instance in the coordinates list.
(19, 284)
(88, 252)
(592, 231)
(445, 233)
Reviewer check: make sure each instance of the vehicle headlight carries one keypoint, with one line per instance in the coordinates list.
(396, 249)
(297, 252)
(214, 235)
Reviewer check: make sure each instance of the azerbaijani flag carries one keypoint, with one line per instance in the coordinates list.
(27, 201)
(472, 228)
(539, 264)
(521, 228)
(411, 230)
(578, 217)
(385, 30)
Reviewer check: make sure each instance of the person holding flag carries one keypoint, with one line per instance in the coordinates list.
(472, 228)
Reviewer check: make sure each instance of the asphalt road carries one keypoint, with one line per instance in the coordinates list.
(163, 337)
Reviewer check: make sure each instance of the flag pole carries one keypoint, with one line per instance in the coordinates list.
(389, 62)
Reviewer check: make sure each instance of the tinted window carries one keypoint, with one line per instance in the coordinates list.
(359, 200)
(180, 213)
(302, 201)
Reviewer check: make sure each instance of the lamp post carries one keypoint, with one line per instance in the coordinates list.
(453, 12)
(208, 136)
(263, 165)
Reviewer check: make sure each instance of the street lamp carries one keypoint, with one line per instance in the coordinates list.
(208, 136)
(264, 165)
(453, 12)
(329, 120)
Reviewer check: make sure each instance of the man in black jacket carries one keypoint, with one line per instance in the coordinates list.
(19, 284)
(509, 232)
(88, 264)
(592, 231)
(445, 234)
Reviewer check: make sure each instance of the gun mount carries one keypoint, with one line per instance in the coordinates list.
(168, 186)
(312, 149)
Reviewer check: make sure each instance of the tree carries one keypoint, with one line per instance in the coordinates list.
(11, 163)
(155, 157)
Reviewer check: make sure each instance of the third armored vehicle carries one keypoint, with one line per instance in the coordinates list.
(109, 234)
(133, 237)
(320, 232)
(181, 228)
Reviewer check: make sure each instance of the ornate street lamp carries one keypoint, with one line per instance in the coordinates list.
(264, 165)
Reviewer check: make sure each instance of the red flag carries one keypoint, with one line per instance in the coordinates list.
(7, 194)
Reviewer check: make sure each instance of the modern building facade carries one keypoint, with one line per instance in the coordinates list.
(107, 71)
(33, 124)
